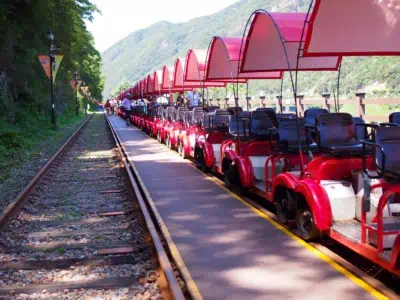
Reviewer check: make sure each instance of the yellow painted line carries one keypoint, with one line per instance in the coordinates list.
(375, 293)
(190, 283)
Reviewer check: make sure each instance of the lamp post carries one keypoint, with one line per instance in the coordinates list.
(76, 77)
(50, 36)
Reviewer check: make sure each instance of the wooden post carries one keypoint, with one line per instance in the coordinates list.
(262, 98)
(218, 101)
(279, 107)
(226, 103)
(300, 106)
(361, 105)
(325, 101)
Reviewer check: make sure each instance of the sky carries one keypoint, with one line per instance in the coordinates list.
(119, 18)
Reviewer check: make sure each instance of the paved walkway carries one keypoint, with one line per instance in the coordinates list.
(230, 251)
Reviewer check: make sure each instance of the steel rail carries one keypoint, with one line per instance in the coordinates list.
(13, 208)
(173, 285)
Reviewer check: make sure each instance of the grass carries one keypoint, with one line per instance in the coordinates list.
(31, 134)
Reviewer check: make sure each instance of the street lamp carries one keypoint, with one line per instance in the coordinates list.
(76, 77)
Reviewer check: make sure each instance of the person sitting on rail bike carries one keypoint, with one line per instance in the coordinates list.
(126, 103)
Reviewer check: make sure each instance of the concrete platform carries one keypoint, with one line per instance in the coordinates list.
(230, 251)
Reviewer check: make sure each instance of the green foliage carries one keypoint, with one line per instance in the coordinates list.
(21, 140)
(23, 35)
(122, 86)
(158, 45)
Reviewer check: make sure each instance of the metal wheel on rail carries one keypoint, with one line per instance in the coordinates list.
(286, 206)
(159, 139)
(168, 142)
(200, 160)
(305, 222)
(181, 150)
(232, 181)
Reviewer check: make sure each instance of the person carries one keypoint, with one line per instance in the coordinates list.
(180, 101)
(126, 103)
(108, 107)
(193, 98)
(112, 106)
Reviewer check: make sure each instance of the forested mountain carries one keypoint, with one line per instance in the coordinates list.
(149, 49)
(23, 35)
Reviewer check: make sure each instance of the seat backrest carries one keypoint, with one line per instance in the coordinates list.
(160, 110)
(235, 110)
(336, 129)
(270, 112)
(221, 117)
(260, 123)
(239, 125)
(245, 114)
(395, 118)
(171, 111)
(197, 114)
(181, 112)
(211, 108)
(311, 115)
(285, 116)
(360, 130)
(389, 139)
(289, 129)
(165, 113)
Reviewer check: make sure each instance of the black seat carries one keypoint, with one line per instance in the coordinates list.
(285, 116)
(270, 112)
(311, 115)
(239, 126)
(195, 115)
(246, 114)
(211, 108)
(234, 110)
(261, 125)
(337, 134)
(387, 156)
(220, 118)
(360, 128)
(171, 113)
(291, 132)
(181, 113)
(394, 118)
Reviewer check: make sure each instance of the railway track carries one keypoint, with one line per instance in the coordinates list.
(82, 229)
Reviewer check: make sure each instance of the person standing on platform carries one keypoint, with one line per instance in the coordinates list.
(193, 98)
(127, 104)
(108, 107)
(180, 101)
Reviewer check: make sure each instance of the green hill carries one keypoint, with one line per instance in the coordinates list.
(149, 49)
